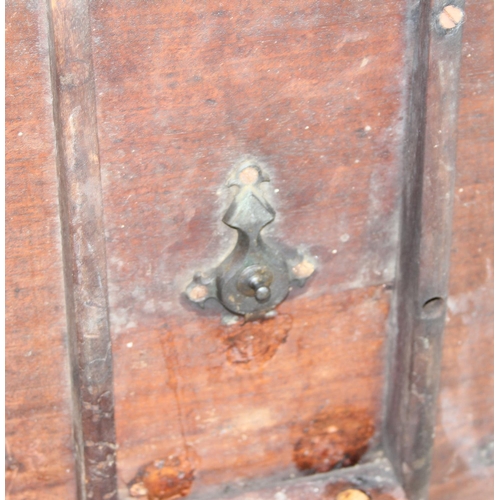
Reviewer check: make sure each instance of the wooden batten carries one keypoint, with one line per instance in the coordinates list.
(425, 242)
(84, 254)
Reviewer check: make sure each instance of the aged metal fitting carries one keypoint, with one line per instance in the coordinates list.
(257, 275)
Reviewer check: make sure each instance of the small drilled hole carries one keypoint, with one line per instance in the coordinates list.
(433, 308)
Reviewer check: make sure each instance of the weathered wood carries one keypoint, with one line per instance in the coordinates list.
(375, 480)
(241, 416)
(315, 91)
(425, 239)
(180, 101)
(463, 449)
(39, 460)
(84, 254)
(184, 91)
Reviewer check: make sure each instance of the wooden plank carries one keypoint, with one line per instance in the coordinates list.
(426, 222)
(84, 252)
(373, 481)
(463, 451)
(248, 408)
(368, 481)
(184, 92)
(39, 458)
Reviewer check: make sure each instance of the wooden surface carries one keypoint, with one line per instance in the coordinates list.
(463, 452)
(425, 236)
(185, 92)
(39, 458)
(255, 413)
(374, 481)
(370, 481)
(83, 249)
(316, 93)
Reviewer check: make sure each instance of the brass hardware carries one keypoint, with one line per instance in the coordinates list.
(257, 275)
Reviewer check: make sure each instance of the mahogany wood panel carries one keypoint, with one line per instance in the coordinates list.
(185, 91)
(39, 456)
(463, 451)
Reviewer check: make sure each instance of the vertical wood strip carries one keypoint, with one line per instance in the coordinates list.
(425, 235)
(83, 248)
(410, 230)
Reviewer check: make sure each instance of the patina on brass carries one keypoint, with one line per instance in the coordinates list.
(257, 275)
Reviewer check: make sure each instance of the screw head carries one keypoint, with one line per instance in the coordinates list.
(249, 175)
(450, 17)
(352, 494)
(303, 270)
(198, 293)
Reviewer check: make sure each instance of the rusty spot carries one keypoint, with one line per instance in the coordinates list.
(450, 17)
(303, 270)
(249, 175)
(164, 479)
(352, 494)
(334, 438)
(255, 342)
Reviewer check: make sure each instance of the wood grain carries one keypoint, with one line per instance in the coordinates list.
(185, 91)
(241, 421)
(463, 452)
(375, 481)
(403, 333)
(39, 456)
(362, 481)
(426, 224)
(317, 93)
(84, 253)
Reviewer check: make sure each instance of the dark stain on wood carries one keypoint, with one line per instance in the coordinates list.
(334, 438)
(12, 464)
